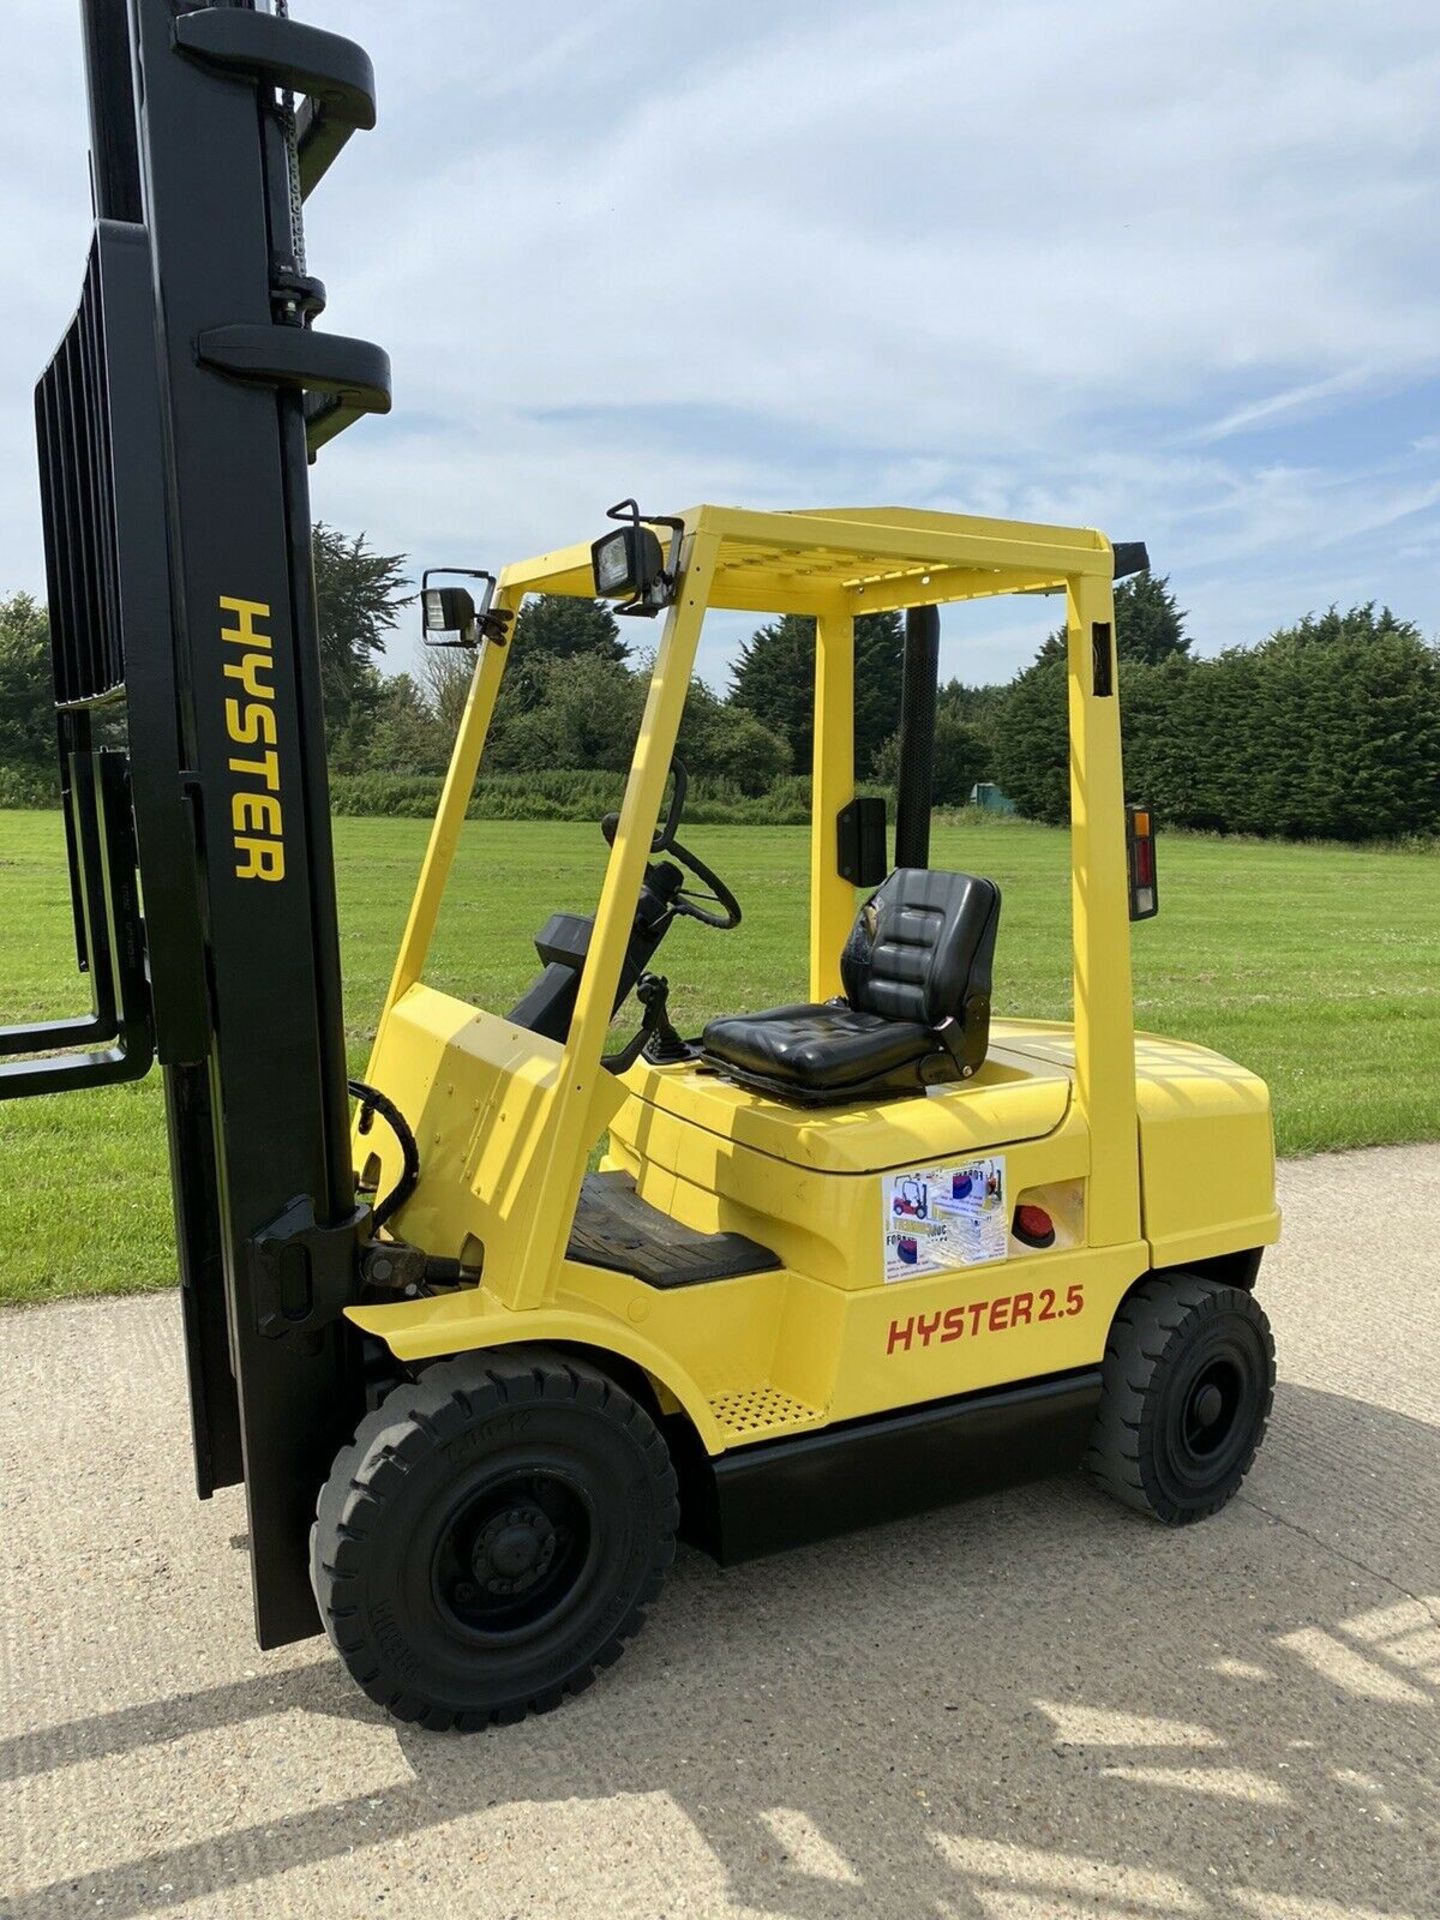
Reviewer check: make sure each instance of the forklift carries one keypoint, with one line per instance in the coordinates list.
(546, 1300)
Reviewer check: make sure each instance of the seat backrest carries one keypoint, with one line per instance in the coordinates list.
(922, 946)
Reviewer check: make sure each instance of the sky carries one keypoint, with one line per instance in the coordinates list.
(1165, 269)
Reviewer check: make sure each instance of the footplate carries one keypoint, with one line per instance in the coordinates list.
(615, 1228)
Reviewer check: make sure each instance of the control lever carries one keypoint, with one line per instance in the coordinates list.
(656, 1038)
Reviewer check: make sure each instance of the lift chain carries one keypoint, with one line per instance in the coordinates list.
(292, 164)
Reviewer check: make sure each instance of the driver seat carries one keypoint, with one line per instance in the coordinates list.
(916, 1011)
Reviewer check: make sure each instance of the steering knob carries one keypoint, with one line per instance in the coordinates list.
(610, 826)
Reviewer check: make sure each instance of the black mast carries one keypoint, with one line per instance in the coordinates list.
(176, 423)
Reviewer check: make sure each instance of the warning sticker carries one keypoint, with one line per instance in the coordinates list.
(945, 1217)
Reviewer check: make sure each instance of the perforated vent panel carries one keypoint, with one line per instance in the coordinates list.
(753, 1411)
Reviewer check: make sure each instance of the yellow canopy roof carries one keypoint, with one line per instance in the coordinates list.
(861, 559)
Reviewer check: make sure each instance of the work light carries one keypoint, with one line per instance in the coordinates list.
(630, 565)
(627, 563)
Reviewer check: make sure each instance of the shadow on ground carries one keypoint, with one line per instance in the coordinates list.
(1037, 1705)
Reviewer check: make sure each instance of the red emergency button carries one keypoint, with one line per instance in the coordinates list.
(1034, 1227)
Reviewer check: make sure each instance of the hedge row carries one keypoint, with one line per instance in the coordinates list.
(559, 794)
(24, 787)
(564, 795)
(1328, 732)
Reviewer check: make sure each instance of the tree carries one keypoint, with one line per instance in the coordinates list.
(540, 720)
(400, 733)
(774, 678)
(27, 711)
(879, 646)
(1327, 729)
(1351, 706)
(586, 713)
(1032, 750)
(964, 753)
(359, 600)
(981, 707)
(1031, 731)
(555, 627)
(1361, 625)
(1166, 713)
(1149, 626)
(560, 627)
(722, 742)
(445, 676)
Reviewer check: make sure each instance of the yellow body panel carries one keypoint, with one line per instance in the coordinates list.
(825, 1338)
(1146, 1152)
(479, 1094)
(1010, 1098)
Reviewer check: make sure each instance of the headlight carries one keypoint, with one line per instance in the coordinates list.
(627, 563)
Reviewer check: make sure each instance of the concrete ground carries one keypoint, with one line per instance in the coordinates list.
(1037, 1705)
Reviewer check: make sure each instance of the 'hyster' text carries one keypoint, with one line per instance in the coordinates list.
(257, 825)
(983, 1316)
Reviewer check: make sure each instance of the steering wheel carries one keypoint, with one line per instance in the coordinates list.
(662, 838)
(683, 904)
(715, 890)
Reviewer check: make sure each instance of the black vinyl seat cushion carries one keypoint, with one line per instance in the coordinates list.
(916, 1012)
(817, 1046)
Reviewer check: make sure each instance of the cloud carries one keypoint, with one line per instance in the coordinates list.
(1306, 399)
(1149, 267)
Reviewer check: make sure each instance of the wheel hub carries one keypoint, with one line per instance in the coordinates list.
(513, 1554)
(1210, 1409)
(1209, 1405)
(513, 1550)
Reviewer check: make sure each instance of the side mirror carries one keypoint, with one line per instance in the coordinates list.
(455, 610)
(448, 609)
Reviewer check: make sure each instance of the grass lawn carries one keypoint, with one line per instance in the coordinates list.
(1318, 967)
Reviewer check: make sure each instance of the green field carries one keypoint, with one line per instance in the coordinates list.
(1318, 966)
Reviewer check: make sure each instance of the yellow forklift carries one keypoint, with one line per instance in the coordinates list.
(839, 1261)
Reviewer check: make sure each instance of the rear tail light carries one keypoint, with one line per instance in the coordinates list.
(1140, 852)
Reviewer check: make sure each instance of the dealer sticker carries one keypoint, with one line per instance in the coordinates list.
(945, 1217)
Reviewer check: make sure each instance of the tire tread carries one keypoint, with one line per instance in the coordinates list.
(1162, 1311)
(368, 1473)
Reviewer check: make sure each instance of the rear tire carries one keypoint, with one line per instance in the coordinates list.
(492, 1537)
(1188, 1382)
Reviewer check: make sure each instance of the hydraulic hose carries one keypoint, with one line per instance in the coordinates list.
(372, 1101)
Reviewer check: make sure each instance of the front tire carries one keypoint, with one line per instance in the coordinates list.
(492, 1537)
(1188, 1382)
